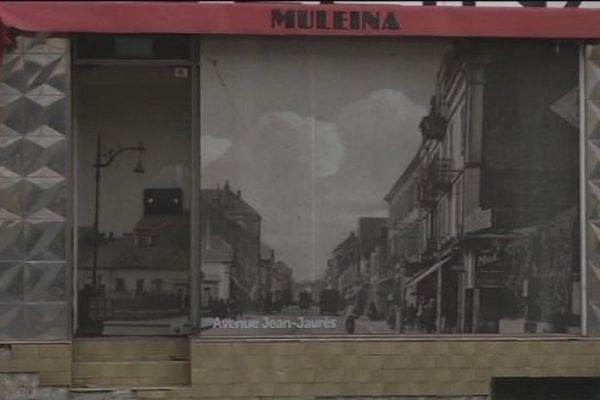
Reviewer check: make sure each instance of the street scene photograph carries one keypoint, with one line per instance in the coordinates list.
(423, 187)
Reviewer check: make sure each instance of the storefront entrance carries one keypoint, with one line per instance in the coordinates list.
(133, 121)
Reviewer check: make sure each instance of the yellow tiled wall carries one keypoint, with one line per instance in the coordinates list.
(51, 361)
(306, 369)
(131, 363)
(381, 368)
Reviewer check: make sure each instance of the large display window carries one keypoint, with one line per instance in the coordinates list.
(389, 187)
(133, 184)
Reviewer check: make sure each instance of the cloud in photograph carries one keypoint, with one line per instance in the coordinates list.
(318, 177)
(321, 139)
(380, 133)
(212, 148)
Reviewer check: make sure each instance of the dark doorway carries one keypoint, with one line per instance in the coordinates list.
(546, 389)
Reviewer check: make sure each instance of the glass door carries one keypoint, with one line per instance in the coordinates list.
(134, 179)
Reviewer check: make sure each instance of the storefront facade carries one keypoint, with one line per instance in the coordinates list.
(106, 187)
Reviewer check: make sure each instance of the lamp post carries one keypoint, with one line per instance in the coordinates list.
(104, 160)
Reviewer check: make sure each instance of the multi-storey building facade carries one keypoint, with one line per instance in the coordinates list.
(343, 266)
(465, 200)
(225, 214)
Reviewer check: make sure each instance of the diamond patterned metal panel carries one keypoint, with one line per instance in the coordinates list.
(44, 43)
(44, 240)
(45, 110)
(46, 74)
(11, 150)
(12, 322)
(11, 200)
(44, 147)
(11, 240)
(34, 115)
(11, 282)
(45, 282)
(12, 111)
(44, 198)
(12, 73)
(45, 321)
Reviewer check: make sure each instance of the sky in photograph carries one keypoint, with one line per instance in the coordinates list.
(314, 132)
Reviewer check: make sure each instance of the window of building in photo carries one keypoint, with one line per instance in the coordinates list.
(120, 285)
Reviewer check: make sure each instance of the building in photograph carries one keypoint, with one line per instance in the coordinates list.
(379, 278)
(371, 234)
(144, 274)
(371, 231)
(217, 261)
(283, 283)
(481, 202)
(267, 269)
(343, 267)
(225, 214)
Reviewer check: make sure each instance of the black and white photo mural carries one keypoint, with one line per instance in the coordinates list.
(360, 186)
(340, 187)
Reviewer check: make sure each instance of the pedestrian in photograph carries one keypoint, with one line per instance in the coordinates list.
(232, 308)
(411, 316)
(222, 309)
(372, 313)
(350, 323)
(419, 320)
(391, 317)
(429, 315)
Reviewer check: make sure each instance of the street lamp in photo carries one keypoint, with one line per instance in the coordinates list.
(104, 159)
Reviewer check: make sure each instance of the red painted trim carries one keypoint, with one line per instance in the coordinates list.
(255, 19)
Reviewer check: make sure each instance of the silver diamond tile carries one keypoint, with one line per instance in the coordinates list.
(9, 92)
(12, 322)
(45, 136)
(12, 71)
(44, 156)
(5, 172)
(45, 321)
(8, 137)
(12, 282)
(44, 43)
(44, 198)
(44, 100)
(11, 195)
(46, 74)
(11, 239)
(11, 151)
(34, 118)
(49, 111)
(45, 281)
(44, 240)
(12, 113)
